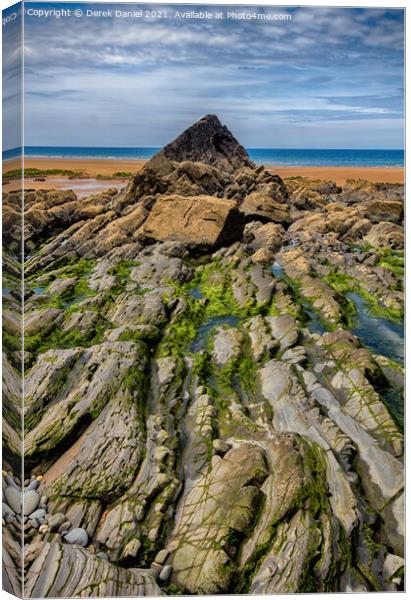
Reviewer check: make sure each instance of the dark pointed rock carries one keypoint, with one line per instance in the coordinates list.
(209, 142)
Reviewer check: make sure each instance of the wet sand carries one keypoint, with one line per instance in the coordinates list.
(92, 167)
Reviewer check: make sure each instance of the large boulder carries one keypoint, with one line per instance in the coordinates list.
(199, 222)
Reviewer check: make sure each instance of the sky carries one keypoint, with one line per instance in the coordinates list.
(12, 80)
(327, 78)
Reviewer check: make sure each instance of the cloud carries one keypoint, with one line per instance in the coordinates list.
(159, 75)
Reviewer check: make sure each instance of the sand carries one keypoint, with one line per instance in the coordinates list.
(341, 174)
(92, 167)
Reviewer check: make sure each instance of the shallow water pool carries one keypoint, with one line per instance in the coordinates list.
(382, 336)
(206, 328)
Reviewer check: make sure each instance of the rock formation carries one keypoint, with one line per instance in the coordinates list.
(213, 382)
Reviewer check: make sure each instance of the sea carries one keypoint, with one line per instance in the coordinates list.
(327, 157)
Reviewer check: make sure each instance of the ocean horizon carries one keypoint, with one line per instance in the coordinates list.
(298, 157)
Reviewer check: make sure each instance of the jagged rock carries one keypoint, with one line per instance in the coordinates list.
(348, 224)
(306, 194)
(132, 310)
(269, 236)
(261, 338)
(84, 513)
(221, 501)
(263, 256)
(43, 320)
(392, 564)
(11, 559)
(284, 330)
(226, 345)
(270, 443)
(266, 204)
(284, 566)
(385, 210)
(220, 447)
(90, 576)
(385, 235)
(295, 263)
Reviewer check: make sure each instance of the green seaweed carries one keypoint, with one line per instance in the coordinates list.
(32, 172)
(344, 284)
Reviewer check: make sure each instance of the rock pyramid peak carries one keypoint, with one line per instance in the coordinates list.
(207, 141)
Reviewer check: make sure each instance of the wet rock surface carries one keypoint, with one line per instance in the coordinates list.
(213, 399)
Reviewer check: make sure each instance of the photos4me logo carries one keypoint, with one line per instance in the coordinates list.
(9, 18)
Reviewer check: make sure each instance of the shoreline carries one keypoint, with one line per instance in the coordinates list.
(97, 173)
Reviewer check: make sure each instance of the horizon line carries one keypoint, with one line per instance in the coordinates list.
(247, 147)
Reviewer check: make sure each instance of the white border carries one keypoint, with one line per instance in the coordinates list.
(335, 3)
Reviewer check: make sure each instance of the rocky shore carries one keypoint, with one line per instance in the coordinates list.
(213, 382)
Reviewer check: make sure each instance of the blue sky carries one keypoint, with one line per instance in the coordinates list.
(329, 78)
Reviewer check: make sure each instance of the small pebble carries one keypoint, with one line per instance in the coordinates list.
(55, 521)
(220, 447)
(156, 567)
(31, 500)
(77, 536)
(162, 556)
(102, 555)
(10, 481)
(165, 573)
(40, 513)
(10, 518)
(43, 528)
(64, 527)
(35, 523)
(13, 498)
(44, 500)
(33, 485)
(6, 509)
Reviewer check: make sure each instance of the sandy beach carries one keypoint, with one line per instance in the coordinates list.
(91, 168)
